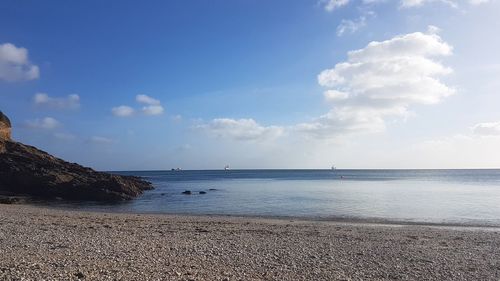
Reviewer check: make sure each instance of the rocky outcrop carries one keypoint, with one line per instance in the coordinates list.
(26, 170)
(5, 127)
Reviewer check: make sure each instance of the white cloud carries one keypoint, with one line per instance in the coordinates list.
(47, 123)
(478, 2)
(151, 106)
(382, 80)
(122, 111)
(487, 129)
(15, 64)
(241, 129)
(418, 3)
(331, 5)
(100, 140)
(412, 3)
(350, 26)
(144, 99)
(342, 121)
(153, 110)
(69, 102)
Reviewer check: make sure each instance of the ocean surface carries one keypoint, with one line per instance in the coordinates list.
(411, 196)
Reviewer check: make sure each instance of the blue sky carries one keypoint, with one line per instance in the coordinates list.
(200, 84)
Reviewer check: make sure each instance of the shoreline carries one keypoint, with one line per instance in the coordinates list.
(331, 219)
(48, 243)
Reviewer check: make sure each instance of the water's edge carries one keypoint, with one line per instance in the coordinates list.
(402, 197)
(335, 220)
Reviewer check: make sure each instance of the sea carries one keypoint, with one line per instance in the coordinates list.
(455, 197)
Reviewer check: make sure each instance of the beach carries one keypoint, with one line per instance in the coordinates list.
(39, 243)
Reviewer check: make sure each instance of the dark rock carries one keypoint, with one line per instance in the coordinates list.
(27, 170)
(9, 200)
(203, 192)
(79, 275)
(187, 192)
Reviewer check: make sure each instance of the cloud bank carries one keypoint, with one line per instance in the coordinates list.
(15, 65)
(377, 83)
(381, 81)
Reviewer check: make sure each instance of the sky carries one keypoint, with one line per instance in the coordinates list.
(153, 85)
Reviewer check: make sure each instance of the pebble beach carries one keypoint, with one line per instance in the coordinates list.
(39, 243)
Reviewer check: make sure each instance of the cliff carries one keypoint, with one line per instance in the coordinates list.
(26, 170)
(5, 127)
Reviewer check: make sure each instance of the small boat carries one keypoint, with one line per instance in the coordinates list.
(226, 168)
(334, 168)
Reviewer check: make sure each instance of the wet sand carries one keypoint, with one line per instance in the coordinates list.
(41, 243)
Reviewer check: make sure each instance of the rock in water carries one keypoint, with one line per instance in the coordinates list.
(26, 170)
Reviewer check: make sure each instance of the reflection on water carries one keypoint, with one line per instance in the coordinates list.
(436, 196)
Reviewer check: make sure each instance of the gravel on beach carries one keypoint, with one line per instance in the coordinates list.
(48, 244)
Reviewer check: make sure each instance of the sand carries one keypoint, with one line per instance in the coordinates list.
(47, 244)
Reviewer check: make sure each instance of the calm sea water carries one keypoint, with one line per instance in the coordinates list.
(430, 196)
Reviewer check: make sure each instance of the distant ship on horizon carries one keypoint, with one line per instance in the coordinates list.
(226, 168)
